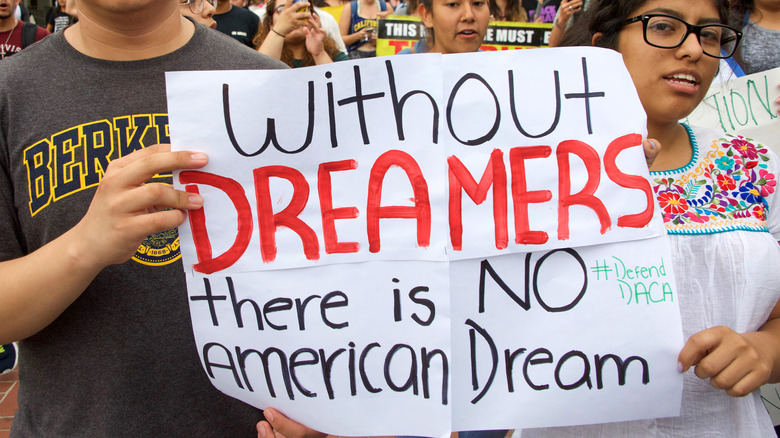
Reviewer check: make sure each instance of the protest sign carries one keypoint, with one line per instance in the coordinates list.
(408, 241)
(743, 105)
(400, 32)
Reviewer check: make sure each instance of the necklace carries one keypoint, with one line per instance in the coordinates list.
(2, 49)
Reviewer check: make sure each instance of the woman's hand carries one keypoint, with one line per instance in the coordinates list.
(566, 10)
(736, 363)
(315, 37)
(290, 19)
(279, 426)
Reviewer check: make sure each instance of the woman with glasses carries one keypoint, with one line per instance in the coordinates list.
(291, 33)
(717, 195)
(201, 11)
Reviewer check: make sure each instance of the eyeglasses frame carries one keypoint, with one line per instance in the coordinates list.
(690, 29)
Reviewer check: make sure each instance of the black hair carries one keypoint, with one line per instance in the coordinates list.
(609, 16)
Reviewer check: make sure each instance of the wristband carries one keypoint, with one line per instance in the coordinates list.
(277, 32)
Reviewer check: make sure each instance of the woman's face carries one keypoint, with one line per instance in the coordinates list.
(670, 82)
(459, 26)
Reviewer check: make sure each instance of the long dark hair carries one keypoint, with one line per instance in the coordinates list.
(609, 16)
(514, 12)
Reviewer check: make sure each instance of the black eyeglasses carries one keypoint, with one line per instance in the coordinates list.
(668, 32)
(196, 6)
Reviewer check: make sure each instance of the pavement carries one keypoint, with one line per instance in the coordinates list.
(9, 386)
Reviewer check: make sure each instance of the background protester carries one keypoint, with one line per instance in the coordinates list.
(452, 26)
(295, 37)
(59, 18)
(508, 10)
(237, 22)
(15, 34)
(723, 226)
(760, 24)
(359, 23)
(569, 12)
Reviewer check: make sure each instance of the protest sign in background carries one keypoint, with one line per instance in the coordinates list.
(429, 243)
(745, 106)
(400, 32)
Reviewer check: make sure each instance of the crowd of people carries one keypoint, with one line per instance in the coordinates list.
(68, 285)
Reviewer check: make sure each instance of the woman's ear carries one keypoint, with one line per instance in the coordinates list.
(596, 37)
(425, 15)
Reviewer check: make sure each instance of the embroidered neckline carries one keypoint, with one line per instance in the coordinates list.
(723, 188)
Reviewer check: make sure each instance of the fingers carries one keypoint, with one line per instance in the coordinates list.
(727, 358)
(140, 166)
(281, 425)
(651, 148)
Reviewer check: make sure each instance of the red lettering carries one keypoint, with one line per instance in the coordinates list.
(206, 263)
(421, 211)
(268, 222)
(399, 45)
(638, 220)
(522, 197)
(461, 179)
(585, 197)
(330, 214)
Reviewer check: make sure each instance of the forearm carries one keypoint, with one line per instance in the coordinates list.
(38, 287)
(322, 58)
(272, 45)
(352, 38)
(556, 35)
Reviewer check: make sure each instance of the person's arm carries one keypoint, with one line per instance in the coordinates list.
(315, 36)
(287, 21)
(737, 363)
(565, 11)
(344, 26)
(38, 287)
(279, 426)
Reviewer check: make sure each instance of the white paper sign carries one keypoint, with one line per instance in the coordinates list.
(744, 106)
(391, 238)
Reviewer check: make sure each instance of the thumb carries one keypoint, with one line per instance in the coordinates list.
(651, 148)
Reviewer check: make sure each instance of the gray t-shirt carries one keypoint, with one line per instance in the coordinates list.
(121, 360)
(760, 47)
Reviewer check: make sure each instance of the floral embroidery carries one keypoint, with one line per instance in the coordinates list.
(722, 189)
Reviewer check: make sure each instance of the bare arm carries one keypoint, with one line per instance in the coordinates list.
(565, 11)
(38, 287)
(344, 22)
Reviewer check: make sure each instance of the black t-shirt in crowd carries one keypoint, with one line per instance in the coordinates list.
(239, 23)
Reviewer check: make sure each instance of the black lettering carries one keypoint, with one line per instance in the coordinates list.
(587, 94)
(210, 299)
(513, 107)
(411, 381)
(531, 360)
(493, 354)
(294, 363)
(450, 106)
(398, 106)
(585, 371)
(270, 136)
(358, 100)
(210, 365)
